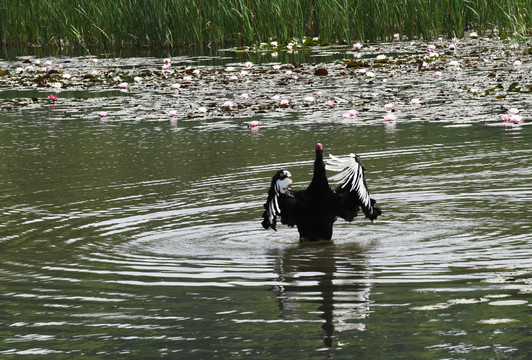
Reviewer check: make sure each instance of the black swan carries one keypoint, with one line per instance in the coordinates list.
(315, 209)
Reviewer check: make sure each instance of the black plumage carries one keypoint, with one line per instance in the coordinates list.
(315, 209)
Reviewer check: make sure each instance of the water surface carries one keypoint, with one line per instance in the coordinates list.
(130, 238)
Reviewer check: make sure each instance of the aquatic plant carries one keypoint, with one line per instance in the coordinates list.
(273, 23)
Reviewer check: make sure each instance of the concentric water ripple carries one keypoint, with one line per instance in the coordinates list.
(152, 249)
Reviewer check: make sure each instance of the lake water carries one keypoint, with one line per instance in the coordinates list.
(138, 235)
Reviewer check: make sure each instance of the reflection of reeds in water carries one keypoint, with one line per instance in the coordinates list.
(176, 23)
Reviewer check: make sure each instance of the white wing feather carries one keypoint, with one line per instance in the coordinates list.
(351, 173)
(281, 187)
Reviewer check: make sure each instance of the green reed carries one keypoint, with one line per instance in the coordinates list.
(179, 23)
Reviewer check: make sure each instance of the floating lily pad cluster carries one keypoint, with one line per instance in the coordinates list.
(459, 82)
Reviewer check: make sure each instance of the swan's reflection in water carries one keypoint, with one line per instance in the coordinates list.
(328, 281)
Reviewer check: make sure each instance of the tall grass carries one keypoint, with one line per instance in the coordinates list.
(179, 23)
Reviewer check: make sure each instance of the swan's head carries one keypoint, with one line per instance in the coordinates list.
(283, 181)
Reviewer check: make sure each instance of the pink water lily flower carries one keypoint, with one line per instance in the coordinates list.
(516, 119)
(253, 124)
(350, 114)
(228, 104)
(52, 97)
(173, 113)
(103, 114)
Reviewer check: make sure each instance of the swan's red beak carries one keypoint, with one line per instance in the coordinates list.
(319, 146)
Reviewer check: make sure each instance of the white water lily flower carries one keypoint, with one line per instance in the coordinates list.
(390, 117)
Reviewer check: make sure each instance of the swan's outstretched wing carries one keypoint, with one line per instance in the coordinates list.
(280, 202)
(352, 193)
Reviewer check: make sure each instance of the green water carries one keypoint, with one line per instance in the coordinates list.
(138, 235)
(144, 240)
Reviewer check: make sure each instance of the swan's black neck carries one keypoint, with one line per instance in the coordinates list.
(319, 179)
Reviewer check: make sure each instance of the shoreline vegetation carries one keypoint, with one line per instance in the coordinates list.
(175, 24)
